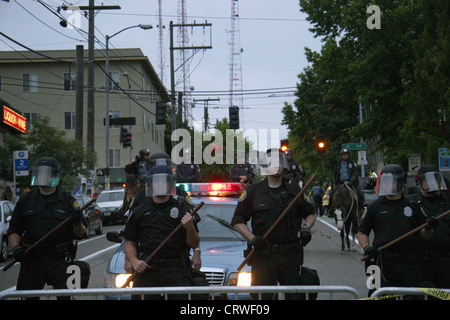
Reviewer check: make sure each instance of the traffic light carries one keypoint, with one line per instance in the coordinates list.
(161, 113)
(321, 145)
(234, 117)
(284, 145)
(125, 137)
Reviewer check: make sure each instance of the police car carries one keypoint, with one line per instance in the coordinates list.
(222, 245)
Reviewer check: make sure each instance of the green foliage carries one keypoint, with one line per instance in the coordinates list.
(399, 73)
(44, 140)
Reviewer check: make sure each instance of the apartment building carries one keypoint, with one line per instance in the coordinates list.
(44, 84)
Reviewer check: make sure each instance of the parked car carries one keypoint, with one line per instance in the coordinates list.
(222, 245)
(6, 210)
(110, 203)
(93, 215)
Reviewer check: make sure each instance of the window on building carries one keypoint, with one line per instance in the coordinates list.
(30, 117)
(30, 82)
(70, 83)
(69, 120)
(114, 80)
(114, 158)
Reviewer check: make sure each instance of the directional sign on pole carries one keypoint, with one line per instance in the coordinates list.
(354, 146)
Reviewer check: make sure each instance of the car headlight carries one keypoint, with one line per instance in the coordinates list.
(117, 280)
(240, 279)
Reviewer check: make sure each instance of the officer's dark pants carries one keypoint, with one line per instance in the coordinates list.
(173, 276)
(271, 269)
(45, 268)
(436, 269)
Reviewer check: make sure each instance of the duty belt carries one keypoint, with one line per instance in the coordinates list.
(278, 248)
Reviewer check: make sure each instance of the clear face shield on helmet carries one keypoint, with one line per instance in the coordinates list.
(390, 184)
(45, 176)
(273, 162)
(160, 184)
(431, 182)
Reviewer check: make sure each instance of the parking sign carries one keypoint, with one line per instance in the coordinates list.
(21, 162)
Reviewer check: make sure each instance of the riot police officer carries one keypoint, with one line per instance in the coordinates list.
(433, 201)
(242, 171)
(139, 166)
(150, 224)
(391, 216)
(294, 172)
(186, 170)
(37, 213)
(278, 258)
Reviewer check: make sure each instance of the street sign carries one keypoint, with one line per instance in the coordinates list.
(21, 162)
(124, 121)
(354, 146)
(362, 158)
(444, 159)
(414, 163)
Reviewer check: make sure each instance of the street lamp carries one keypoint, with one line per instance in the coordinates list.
(108, 85)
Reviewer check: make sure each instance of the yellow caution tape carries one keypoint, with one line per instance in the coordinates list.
(437, 293)
(386, 297)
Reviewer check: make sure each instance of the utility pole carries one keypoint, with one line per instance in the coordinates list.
(79, 94)
(91, 60)
(172, 64)
(206, 109)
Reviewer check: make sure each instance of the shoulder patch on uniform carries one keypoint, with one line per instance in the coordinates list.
(76, 204)
(188, 200)
(243, 196)
(306, 198)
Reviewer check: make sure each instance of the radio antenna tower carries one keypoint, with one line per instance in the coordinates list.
(183, 82)
(236, 97)
(161, 42)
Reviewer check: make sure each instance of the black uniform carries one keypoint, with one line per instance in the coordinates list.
(34, 216)
(281, 259)
(244, 169)
(187, 172)
(390, 219)
(149, 225)
(294, 174)
(436, 268)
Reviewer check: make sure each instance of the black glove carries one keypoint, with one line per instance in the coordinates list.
(372, 252)
(305, 236)
(258, 242)
(76, 216)
(18, 253)
(431, 223)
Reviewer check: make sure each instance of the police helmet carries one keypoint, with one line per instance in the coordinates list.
(391, 180)
(160, 158)
(144, 152)
(272, 160)
(344, 150)
(430, 179)
(46, 172)
(160, 181)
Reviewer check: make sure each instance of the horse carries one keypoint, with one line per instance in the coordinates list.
(345, 204)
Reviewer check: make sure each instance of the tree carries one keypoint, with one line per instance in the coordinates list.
(399, 73)
(44, 140)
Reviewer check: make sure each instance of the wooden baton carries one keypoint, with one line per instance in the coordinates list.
(275, 224)
(55, 229)
(406, 235)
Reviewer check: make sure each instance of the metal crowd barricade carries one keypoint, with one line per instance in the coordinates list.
(394, 292)
(95, 293)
